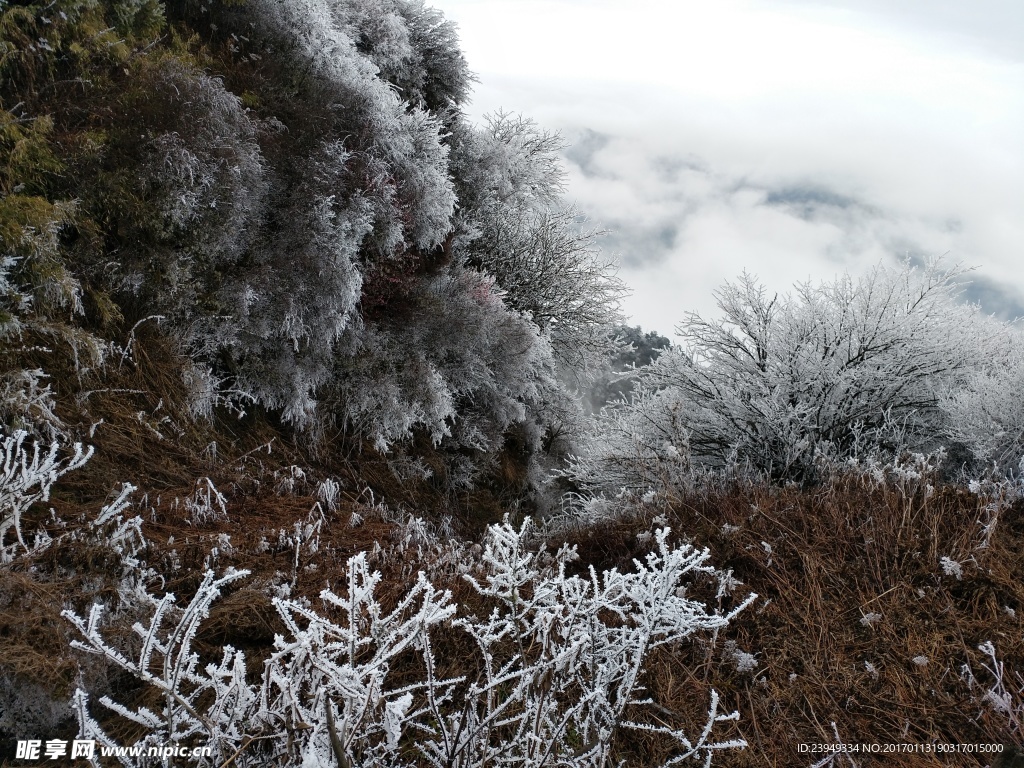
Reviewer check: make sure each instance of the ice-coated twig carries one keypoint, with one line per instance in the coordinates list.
(557, 673)
(27, 473)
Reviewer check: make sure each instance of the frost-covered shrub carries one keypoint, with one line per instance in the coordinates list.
(624, 453)
(415, 48)
(290, 185)
(356, 186)
(848, 368)
(206, 504)
(406, 168)
(556, 676)
(456, 362)
(253, 219)
(27, 473)
(909, 473)
(291, 311)
(182, 180)
(509, 161)
(27, 403)
(205, 166)
(167, 662)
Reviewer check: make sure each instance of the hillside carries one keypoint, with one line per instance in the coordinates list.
(300, 464)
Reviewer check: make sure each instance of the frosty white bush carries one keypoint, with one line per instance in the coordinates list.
(255, 236)
(325, 234)
(167, 662)
(399, 142)
(558, 672)
(337, 280)
(27, 402)
(209, 172)
(457, 364)
(554, 666)
(838, 369)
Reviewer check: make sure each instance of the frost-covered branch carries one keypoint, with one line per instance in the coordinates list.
(167, 662)
(27, 473)
(557, 675)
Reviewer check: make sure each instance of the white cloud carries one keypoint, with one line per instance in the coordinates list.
(790, 139)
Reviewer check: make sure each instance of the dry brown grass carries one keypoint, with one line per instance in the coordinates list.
(834, 555)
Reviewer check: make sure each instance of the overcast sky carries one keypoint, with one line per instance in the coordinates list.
(792, 139)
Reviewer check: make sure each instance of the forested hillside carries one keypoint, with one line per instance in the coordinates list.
(323, 443)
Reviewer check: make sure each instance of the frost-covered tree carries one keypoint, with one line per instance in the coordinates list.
(777, 381)
(615, 380)
(986, 413)
(513, 225)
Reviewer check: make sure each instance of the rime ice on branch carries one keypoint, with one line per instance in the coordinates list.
(558, 670)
